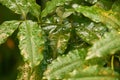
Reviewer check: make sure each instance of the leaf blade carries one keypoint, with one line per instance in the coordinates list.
(6, 29)
(51, 5)
(31, 42)
(110, 18)
(64, 64)
(92, 73)
(22, 7)
(112, 45)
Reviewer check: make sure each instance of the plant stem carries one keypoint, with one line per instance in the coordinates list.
(112, 62)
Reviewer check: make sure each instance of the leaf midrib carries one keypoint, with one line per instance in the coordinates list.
(30, 48)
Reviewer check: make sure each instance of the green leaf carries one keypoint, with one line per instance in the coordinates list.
(67, 13)
(105, 4)
(64, 64)
(31, 43)
(109, 18)
(26, 73)
(18, 6)
(51, 5)
(22, 6)
(59, 37)
(92, 73)
(90, 31)
(63, 13)
(6, 29)
(105, 46)
(34, 9)
(116, 6)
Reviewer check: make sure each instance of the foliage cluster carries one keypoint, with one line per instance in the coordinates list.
(60, 39)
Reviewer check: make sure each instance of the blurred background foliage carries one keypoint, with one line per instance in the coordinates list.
(9, 51)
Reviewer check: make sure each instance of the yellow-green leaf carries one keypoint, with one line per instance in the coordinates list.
(6, 29)
(92, 73)
(105, 46)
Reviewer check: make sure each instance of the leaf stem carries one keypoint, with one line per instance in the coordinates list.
(112, 62)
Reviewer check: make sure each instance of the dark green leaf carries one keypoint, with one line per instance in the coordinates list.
(58, 36)
(51, 5)
(105, 4)
(116, 6)
(34, 9)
